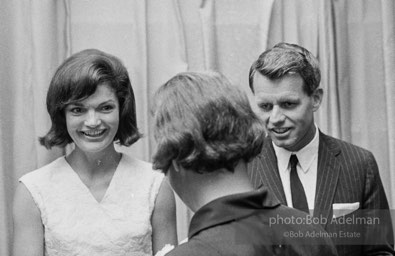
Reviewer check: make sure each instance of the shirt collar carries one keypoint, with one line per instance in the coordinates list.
(305, 156)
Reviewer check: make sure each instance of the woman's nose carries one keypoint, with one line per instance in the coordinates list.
(92, 119)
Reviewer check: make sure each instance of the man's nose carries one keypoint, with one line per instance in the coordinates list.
(92, 119)
(277, 115)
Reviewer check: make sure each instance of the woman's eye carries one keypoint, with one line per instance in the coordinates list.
(76, 110)
(107, 108)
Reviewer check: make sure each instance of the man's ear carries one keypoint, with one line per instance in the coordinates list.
(317, 98)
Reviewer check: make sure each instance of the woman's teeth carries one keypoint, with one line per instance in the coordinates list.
(95, 133)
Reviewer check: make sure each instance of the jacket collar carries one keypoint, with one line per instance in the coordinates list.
(267, 173)
(327, 177)
(230, 208)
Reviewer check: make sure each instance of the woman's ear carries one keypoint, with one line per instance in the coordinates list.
(176, 167)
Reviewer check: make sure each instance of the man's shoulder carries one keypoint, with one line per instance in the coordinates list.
(335, 143)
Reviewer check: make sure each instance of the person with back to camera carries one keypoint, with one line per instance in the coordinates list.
(206, 132)
(95, 200)
(335, 181)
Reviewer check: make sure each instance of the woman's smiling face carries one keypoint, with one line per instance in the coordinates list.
(92, 123)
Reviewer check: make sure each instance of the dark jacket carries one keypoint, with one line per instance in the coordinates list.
(252, 224)
(345, 174)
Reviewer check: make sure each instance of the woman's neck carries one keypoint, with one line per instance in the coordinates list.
(94, 163)
(210, 186)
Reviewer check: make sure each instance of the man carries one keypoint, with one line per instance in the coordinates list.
(206, 132)
(307, 169)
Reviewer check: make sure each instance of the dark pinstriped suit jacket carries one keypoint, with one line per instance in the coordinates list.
(346, 174)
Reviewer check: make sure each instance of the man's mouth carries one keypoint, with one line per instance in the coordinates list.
(280, 130)
(94, 133)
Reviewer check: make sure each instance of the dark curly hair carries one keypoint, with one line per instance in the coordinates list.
(204, 124)
(285, 58)
(76, 79)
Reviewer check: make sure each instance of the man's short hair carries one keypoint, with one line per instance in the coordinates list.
(285, 58)
(204, 124)
(76, 79)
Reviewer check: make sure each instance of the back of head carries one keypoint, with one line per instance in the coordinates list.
(76, 79)
(285, 58)
(204, 123)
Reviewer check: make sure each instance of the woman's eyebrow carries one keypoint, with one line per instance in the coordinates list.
(107, 101)
(76, 103)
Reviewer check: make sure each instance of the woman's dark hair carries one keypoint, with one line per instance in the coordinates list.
(76, 79)
(204, 123)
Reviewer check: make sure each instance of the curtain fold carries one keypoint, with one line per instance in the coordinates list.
(208, 28)
(364, 61)
(328, 116)
(30, 52)
(294, 21)
(166, 51)
(388, 46)
(234, 33)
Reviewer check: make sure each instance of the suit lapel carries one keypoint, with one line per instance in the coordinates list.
(328, 170)
(266, 172)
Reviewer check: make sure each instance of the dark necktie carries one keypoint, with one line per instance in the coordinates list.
(299, 200)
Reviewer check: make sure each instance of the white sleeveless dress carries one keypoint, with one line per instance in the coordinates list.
(76, 223)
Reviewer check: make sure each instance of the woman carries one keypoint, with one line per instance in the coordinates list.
(95, 200)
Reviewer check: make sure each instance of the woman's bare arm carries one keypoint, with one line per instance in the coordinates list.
(28, 227)
(164, 227)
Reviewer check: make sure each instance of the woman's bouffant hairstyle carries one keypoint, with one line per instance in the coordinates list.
(76, 79)
(285, 58)
(204, 124)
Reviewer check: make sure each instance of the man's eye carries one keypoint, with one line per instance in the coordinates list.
(288, 105)
(265, 106)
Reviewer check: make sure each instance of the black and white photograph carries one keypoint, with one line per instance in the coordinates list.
(197, 127)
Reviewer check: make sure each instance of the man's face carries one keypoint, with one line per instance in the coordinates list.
(288, 112)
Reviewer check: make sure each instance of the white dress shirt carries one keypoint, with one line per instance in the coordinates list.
(306, 168)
